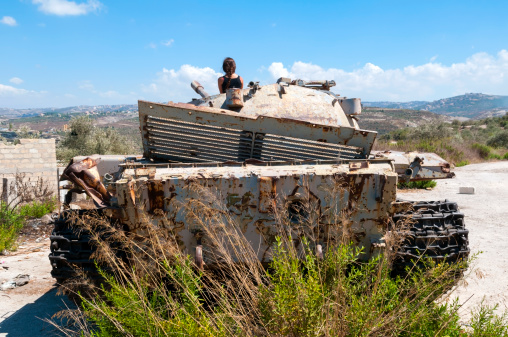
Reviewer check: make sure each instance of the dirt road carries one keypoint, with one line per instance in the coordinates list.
(486, 214)
(22, 309)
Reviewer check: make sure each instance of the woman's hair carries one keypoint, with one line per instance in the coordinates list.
(229, 66)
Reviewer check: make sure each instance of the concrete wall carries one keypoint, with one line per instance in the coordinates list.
(33, 157)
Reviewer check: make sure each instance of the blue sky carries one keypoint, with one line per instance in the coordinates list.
(58, 53)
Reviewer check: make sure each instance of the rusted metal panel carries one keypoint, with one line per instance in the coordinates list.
(183, 132)
(334, 196)
(414, 166)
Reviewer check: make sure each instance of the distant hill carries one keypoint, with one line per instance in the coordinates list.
(384, 120)
(471, 105)
(20, 113)
(395, 105)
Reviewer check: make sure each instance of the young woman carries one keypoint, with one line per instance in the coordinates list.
(230, 80)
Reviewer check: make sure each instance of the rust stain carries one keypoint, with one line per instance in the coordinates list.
(155, 195)
(267, 193)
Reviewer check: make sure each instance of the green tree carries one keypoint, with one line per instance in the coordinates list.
(84, 139)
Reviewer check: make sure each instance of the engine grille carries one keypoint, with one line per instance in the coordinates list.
(182, 141)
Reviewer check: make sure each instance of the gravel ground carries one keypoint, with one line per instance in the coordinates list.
(22, 309)
(486, 214)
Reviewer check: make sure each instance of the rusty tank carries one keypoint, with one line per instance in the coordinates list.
(262, 149)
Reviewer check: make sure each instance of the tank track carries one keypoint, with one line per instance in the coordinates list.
(71, 251)
(436, 230)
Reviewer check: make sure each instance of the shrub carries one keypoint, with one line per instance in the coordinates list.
(483, 150)
(462, 163)
(494, 156)
(11, 223)
(37, 209)
(499, 140)
(422, 184)
(505, 156)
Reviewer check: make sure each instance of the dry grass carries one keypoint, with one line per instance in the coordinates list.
(153, 289)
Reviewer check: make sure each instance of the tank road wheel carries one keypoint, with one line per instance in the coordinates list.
(436, 231)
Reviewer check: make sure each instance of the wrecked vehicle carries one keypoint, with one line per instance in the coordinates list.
(262, 149)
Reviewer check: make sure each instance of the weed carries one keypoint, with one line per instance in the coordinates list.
(486, 323)
(505, 157)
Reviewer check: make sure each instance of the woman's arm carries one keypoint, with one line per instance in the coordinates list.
(220, 81)
(241, 80)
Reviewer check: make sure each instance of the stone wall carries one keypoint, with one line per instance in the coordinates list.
(35, 158)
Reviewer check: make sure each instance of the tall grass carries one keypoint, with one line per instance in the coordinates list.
(158, 290)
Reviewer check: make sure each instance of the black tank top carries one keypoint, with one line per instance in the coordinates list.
(233, 83)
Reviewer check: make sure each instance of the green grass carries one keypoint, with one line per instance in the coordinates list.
(462, 163)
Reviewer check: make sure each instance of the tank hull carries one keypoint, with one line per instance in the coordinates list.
(317, 200)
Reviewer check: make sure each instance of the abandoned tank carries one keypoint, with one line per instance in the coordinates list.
(293, 147)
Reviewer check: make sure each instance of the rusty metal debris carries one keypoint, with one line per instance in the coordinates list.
(84, 174)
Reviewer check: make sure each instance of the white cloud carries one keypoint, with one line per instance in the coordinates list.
(168, 43)
(9, 21)
(174, 85)
(152, 45)
(479, 73)
(16, 80)
(66, 7)
(7, 90)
